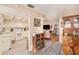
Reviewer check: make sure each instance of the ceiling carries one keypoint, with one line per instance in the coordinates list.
(53, 11)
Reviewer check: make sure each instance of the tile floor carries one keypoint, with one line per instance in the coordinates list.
(19, 48)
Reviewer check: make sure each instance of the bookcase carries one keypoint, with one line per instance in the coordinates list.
(38, 42)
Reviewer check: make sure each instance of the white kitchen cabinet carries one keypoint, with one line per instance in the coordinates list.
(1, 23)
(5, 42)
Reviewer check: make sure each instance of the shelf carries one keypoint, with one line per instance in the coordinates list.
(38, 43)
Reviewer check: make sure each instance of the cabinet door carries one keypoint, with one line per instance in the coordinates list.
(67, 23)
(18, 33)
(5, 43)
(76, 22)
(1, 23)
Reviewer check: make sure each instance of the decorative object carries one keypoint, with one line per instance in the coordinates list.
(11, 29)
(24, 29)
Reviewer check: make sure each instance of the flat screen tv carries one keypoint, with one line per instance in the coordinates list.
(47, 27)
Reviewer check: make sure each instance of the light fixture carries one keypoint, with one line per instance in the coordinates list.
(31, 6)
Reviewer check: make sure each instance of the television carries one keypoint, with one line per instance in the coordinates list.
(47, 27)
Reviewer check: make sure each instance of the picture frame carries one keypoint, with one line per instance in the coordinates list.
(37, 22)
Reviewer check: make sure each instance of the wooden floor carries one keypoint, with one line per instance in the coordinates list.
(51, 48)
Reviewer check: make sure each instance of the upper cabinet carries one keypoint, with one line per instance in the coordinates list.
(70, 24)
(71, 21)
(1, 23)
(67, 23)
(76, 22)
(1, 20)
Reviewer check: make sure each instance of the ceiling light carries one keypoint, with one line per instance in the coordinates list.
(29, 5)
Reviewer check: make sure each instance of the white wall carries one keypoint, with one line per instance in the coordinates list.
(35, 30)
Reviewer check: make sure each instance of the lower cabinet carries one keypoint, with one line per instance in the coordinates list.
(71, 45)
(5, 42)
